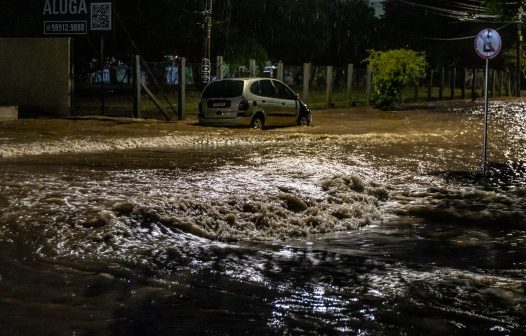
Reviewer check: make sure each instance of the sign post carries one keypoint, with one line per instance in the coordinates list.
(487, 46)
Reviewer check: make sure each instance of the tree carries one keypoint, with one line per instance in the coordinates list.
(393, 70)
(505, 9)
(512, 11)
(354, 30)
(291, 31)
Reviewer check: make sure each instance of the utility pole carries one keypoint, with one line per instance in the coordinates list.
(208, 29)
(206, 65)
(519, 47)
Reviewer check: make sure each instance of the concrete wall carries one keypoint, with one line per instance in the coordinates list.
(35, 75)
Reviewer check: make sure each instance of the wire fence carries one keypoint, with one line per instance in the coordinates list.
(110, 92)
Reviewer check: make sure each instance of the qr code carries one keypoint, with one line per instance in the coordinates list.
(101, 16)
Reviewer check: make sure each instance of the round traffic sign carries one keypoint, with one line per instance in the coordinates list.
(488, 43)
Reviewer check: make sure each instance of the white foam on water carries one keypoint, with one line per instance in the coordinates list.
(174, 141)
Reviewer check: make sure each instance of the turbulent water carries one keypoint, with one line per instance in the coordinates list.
(367, 223)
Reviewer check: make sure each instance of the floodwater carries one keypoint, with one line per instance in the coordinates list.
(368, 223)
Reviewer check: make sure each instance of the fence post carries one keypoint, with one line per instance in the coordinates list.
(181, 95)
(480, 84)
(280, 71)
(415, 94)
(430, 84)
(102, 68)
(505, 82)
(350, 70)
(306, 82)
(368, 81)
(473, 84)
(219, 69)
(442, 81)
(492, 82)
(453, 83)
(252, 67)
(329, 86)
(501, 86)
(463, 89)
(137, 86)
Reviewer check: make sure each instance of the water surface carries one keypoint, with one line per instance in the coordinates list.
(367, 223)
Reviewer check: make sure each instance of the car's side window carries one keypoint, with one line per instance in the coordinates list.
(283, 91)
(254, 88)
(266, 88)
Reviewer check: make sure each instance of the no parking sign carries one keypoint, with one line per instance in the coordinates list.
(487, 46)
(488, 43)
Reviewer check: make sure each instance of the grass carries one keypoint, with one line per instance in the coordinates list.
(119, 103)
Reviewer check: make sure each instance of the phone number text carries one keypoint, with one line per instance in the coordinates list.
(65, 27)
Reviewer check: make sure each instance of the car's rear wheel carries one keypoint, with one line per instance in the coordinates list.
(258, 122)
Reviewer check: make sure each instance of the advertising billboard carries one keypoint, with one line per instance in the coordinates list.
(61, 18)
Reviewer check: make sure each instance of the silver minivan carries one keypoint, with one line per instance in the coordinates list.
(254, 102)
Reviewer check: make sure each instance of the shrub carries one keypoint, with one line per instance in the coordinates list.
(392, 71)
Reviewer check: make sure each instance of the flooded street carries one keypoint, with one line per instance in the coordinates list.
(367, 223)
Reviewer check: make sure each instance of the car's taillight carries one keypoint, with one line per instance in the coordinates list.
(243, 106)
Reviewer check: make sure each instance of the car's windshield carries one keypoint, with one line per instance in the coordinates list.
(224, 89)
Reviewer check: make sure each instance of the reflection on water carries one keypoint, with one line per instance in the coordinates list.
(386, 229)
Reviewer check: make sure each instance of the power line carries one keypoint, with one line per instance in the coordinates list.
(465, 11)
(472, 11)
(463, 37)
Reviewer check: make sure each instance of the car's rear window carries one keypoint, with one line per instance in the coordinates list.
(224, 89)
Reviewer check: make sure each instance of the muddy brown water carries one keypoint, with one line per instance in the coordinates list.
(368, 223)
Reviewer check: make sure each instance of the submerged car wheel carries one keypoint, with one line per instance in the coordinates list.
(257, 122)
(305, 120)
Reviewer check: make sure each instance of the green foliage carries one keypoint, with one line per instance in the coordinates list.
(242, 50)
(392, 71)
(506, 9)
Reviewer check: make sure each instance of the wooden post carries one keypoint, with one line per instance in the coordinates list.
(501, 86)
(280, 71)
(350, 70)
(453, 83)
(252, 67)
(368, 81)
(492, 82)
(329, 86)
(519, 42)
(219, 69)
(463, 96)
(473, 84)
(137, 87)
(102, 66)
(506, 83)
(430, 85)
(181, 95)
(306, 82)
(442, 81)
